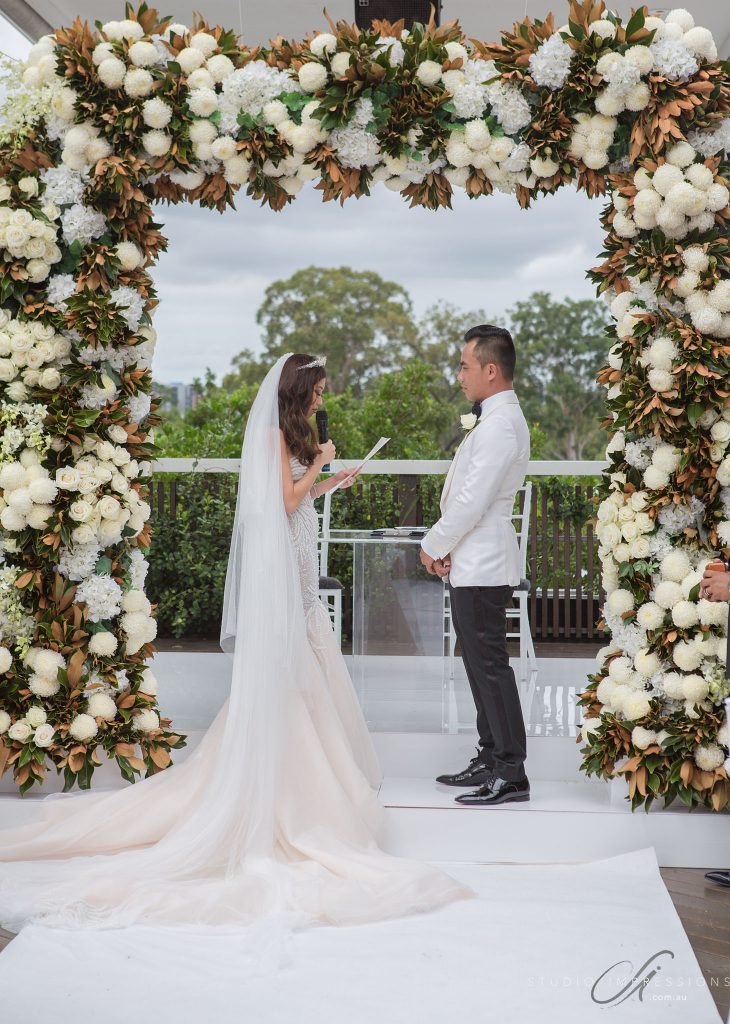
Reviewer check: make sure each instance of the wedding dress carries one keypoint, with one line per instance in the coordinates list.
(273, 817)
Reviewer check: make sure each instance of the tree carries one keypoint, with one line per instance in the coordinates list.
(561, 345)
(440, 339)
(362, 323)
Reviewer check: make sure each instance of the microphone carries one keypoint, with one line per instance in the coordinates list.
(323, 430)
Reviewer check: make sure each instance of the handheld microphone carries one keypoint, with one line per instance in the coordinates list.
(323, 430)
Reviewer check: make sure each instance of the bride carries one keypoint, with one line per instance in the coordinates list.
(274, 814)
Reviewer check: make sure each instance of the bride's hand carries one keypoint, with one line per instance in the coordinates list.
(327, 453)
(346, 477)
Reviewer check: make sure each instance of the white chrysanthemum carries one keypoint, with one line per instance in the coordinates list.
(675, 566)
(205, 42)
(661, 353)
(684, 614)
(695, 688)
(312, 77)
(699, 42)
(643, 738)
(190, 58)
(138, 82)
(428, 72)
(699, 176)
(619, 670)
(156, 113)
(323, 43)
(83, 728)
(708, 756)
(718, 197)
(712, 613)
(6, 660)
(672, 683)
(603, 28)
(111, 72)
(636, 705)
(101, 705)
(103, 644)
(203, 102)
(220, 66)
(620, 602)
(143, 54)
(145, 721)
(605, 690)
(686, 656)
(156, 143)
(660, 381)
(667, 594)
(665, 177)
(646, 662)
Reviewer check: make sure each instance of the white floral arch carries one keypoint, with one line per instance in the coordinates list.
(102, 122)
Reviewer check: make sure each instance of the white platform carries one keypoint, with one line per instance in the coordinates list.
(569, 817)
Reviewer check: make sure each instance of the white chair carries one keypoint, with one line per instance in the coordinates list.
(330, 589)
(518, 625)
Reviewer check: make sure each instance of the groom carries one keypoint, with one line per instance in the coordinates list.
(475, 544)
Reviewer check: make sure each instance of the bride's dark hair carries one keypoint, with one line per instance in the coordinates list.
(295, 398)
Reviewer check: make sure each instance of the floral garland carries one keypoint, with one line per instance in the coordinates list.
(103, 122)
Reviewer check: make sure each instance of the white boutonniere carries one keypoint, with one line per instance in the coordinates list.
(468, 421)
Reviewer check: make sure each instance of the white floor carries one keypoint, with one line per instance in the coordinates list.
(569, 818)
(562, 944)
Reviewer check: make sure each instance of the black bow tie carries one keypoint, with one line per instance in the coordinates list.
(477, 409)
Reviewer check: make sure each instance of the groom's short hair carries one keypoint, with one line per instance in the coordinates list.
(493, 345)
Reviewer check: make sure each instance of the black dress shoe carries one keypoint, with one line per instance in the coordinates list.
(721, 877)
(475, 774)
(497, 791)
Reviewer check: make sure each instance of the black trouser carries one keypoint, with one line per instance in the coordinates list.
(480, 622)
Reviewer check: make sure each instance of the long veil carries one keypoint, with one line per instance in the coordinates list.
(271, 818)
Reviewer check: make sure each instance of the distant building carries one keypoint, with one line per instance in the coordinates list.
(178, 395)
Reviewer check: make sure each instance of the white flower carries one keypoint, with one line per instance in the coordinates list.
(687, 656)
(695, 688)
(699, 42)
(143, 54)
(6, 660)
(20, 731)
(156, 113)
(667, 594)
(312, 77)
(673, 59)
(675, 566)
(42, 686)
(35, 716)
(550, 64)
(203, 102)
(684, 614)
(156, 143)
(190, 58)
(101, 705)
(655, 478)
(145, 721)
(43, 735)
(620, 601)
(469, 421)
(660, 381)
(103, 644)
(708, 756)
(112, 71)
(83, 728)
(428, 72)
(323, 43)
(138, 82)
(650, 616)
(220, 66)
(636, 705)
(603, 28)
(642, 738)
(646, 662)
(205, 42)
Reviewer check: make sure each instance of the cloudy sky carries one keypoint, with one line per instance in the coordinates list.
(484, 253)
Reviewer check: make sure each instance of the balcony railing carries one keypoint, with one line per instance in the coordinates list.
(563, 564)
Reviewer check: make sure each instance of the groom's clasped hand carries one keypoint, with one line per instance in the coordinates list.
(436, 566)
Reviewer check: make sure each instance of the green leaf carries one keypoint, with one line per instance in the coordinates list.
(576, 30)
(635, 23)
(694, 413)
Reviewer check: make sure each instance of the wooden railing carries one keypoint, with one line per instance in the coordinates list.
(563, 565)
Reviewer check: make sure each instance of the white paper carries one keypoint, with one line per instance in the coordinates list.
(373, 451)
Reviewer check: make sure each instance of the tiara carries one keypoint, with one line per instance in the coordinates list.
(319, 361)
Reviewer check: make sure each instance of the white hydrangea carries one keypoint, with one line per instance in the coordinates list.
(550, 64)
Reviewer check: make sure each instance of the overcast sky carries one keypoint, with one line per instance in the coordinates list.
(484, 253)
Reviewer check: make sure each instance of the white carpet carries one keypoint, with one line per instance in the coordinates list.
(529, 948)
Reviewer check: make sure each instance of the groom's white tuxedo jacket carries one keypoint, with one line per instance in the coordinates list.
(478, 497)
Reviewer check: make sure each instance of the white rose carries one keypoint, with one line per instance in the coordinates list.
(339, 64)
(43, 736)
(20, 731)
(36, 716)
(68, 478)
